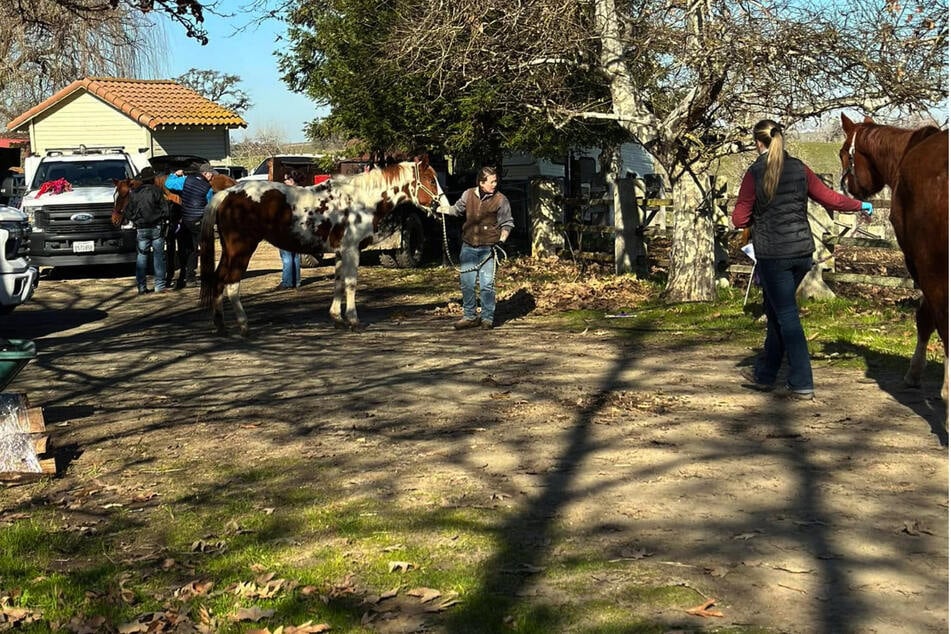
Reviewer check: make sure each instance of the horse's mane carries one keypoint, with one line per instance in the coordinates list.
(880, 138)
(367, 186)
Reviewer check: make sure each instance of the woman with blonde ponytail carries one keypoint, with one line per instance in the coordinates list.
(773, 201)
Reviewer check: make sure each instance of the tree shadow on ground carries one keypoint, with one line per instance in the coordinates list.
(888, 370)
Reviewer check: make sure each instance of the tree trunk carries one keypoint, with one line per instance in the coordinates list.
(545, 213)
(813, 286)
(691, 277)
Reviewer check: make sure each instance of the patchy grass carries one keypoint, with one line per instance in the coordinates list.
(255, 542)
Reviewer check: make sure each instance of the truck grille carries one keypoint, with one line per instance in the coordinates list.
(58, 219)
(18, 239)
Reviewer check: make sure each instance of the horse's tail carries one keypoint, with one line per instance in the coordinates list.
(206, 251)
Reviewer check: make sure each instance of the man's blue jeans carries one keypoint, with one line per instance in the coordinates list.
(780, 278)
(477, 263)
(150, 238)
(290, 269)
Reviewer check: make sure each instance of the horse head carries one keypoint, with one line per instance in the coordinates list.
(121, 198)
(860, 177)
(426, 191)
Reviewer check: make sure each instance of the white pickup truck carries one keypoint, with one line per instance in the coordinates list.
(17, 277)
(73, 225)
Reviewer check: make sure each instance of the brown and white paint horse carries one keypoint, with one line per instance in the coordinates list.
(338, 215)
(914, 164)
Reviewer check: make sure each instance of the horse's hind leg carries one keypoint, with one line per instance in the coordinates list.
(218, 315)
(234, 295)
(231, 269)
(350, 263)
(924, 322)
(336, 312)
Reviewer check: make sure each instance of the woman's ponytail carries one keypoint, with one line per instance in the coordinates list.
(770, 134)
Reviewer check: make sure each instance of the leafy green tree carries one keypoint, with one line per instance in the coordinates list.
(340, 55)
(221, 88)
(685, 79)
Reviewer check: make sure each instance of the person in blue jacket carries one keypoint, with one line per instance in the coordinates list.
(195, 191)
(290, 261)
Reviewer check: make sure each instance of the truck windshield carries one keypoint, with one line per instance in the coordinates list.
(82, 173)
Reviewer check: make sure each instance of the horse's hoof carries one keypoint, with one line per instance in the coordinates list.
(357, 326)
(245, 332)
(340, 324)
(911, 383)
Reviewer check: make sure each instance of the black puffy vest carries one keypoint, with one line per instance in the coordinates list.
(781, 225)
(194, 197)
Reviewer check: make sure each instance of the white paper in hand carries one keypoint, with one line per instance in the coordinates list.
(748, 250)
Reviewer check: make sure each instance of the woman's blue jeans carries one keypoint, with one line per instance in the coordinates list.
(780, 279)
(290, 269)
(477, 263)
(150, 237)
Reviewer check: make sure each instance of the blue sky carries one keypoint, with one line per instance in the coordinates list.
(249, 55)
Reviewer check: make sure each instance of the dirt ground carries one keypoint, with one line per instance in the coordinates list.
(824, 516)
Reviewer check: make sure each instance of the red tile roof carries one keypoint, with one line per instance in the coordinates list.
(151, 102)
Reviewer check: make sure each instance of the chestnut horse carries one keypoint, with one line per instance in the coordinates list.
(339, 215)
(914, 165)
(219, 182)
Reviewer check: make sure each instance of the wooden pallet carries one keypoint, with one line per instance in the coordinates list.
(23, 440)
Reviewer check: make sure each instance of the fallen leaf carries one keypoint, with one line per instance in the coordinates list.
(253, 613)
(439, 607)
(402, 566)
(704, 609)
(307, 628)
(425, 594)
(915, 529)
(745, 536)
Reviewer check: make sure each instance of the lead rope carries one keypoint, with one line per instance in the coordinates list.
(493, 254)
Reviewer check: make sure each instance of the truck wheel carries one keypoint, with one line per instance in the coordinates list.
(410, 254)
(387, 261)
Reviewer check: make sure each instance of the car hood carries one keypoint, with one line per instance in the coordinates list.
(11, 214)
(78, 196)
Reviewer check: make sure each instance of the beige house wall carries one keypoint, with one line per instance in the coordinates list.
(83, 119)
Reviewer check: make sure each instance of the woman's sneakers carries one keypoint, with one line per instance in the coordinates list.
(802, 395)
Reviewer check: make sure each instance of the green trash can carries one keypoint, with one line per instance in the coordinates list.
(14, 355)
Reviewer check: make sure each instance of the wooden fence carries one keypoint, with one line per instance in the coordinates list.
(597, 241)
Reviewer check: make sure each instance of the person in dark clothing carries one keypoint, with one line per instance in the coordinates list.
(174, 238)
(196, 193)
(147, 210)
(488, 222)
(773, 201)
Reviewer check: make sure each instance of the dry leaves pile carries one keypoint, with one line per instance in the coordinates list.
(546, 286)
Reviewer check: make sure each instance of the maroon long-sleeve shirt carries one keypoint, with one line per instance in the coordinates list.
(818, 191)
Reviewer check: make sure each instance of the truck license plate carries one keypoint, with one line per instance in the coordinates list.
(84, 246)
